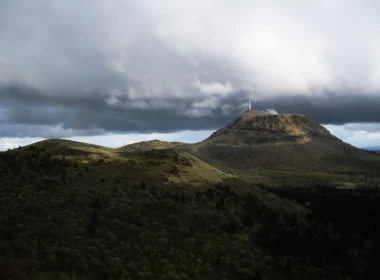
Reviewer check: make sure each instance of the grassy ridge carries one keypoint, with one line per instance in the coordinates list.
(164, 165)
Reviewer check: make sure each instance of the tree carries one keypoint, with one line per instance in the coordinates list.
(210, 194)
(63, 176)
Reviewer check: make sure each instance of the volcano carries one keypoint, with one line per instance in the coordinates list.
(282, 142)
(252, 128)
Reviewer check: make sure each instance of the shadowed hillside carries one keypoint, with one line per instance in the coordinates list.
(72, 210)
(71, 218)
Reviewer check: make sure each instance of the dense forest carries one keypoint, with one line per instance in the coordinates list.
(52, 227)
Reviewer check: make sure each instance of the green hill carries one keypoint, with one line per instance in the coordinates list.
(159, 165)
(77, 151)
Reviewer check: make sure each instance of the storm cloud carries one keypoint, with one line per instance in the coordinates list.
(78, 68)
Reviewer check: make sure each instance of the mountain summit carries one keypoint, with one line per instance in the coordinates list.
(280, 143)
(253, 127)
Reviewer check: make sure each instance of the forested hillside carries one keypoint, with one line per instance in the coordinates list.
(52, 226)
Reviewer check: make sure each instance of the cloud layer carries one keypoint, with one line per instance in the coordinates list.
(71, 68)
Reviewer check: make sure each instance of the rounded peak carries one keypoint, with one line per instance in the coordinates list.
(252, 126)
(152, 144)
(292, 124)
(55, 142)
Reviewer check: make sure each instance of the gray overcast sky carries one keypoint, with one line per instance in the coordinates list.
(96, 68)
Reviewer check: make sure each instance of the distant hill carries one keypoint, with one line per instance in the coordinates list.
(77, 151)
(280, 146)
(154, 161)
(252, 128)
(151, 145)
(374, 149)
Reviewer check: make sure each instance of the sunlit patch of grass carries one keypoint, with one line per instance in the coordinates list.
(80, 152)
(198, 171)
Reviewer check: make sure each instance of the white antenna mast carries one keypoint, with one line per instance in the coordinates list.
(249, 105)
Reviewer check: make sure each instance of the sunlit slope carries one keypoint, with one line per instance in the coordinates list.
(161, 165)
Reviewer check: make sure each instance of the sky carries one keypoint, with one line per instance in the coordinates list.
(119, 71)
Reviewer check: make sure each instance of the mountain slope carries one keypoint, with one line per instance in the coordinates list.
(260, 143)
(253, 128)
(176, 166)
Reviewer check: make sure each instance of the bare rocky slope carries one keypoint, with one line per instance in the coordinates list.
(253, 128)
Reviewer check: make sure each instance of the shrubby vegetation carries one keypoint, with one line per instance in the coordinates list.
(345, 226)
(64, 220)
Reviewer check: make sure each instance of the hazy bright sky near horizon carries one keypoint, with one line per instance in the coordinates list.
(119, 71)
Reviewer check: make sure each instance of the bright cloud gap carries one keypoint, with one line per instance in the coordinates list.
(113, 140)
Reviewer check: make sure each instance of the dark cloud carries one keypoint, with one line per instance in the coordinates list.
(27, 112)
(334, 109)
(21, 115)
(90, 67)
